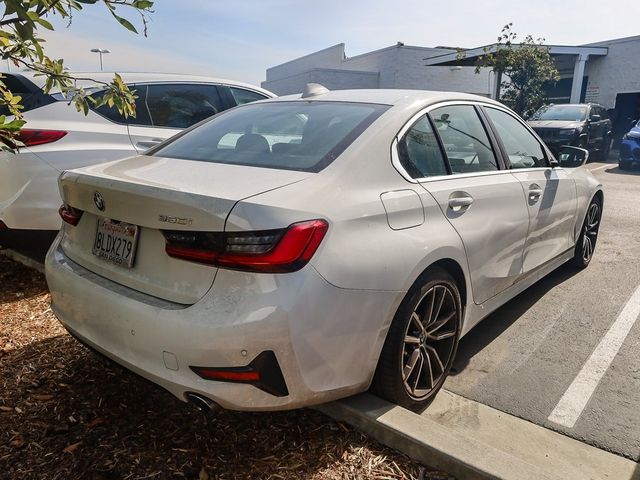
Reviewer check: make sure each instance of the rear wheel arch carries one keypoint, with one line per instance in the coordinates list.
(450, 266)
(455, 270)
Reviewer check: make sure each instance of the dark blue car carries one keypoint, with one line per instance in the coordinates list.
(630, 148)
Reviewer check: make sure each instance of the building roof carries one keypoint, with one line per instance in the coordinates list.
(472, 54)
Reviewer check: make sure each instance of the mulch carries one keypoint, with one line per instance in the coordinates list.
(66, 413)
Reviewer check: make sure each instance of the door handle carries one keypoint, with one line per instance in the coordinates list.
(459, 203)
(535, 192)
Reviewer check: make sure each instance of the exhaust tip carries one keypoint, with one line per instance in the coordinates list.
(204, 404)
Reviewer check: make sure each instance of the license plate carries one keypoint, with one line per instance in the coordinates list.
(116, 242)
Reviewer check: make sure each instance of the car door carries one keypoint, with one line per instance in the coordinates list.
(164, 109)
(482, 201)
(549, 193)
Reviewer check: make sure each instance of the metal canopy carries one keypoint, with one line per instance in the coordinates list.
(472, 54)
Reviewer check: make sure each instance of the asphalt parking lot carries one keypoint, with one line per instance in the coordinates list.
(546, 351)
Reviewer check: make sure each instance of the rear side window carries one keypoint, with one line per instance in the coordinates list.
(111, 113)
(464, 138)
(419, 151)
(242, 96)
(304, 136)
(523, 149)
(182, 105)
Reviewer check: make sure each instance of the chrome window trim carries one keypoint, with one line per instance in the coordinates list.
(395, 157)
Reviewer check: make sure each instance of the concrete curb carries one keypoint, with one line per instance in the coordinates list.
(470, 440)
(23, 259)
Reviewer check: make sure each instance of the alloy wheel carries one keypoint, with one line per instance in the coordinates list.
(590, 232)
(430, 341)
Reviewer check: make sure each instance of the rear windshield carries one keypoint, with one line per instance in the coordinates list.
(304, 136)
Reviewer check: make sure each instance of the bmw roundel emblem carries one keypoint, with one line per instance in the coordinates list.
(98, 200)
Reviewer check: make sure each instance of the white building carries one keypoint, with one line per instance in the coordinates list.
(605, 72)
(398, 66)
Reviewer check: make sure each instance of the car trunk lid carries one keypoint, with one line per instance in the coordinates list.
(155, 194)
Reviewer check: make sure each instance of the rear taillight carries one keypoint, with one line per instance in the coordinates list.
(70, 215)
(3, 226)
(263, 372)
(31, 138)
(269, 251)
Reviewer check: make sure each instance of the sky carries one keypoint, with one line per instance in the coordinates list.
(240, 39)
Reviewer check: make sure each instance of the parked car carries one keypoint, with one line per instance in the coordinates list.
(582, 125)
(57, 137)
(297, 250)
(630, 148)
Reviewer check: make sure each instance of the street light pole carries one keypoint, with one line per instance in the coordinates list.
(100, 51)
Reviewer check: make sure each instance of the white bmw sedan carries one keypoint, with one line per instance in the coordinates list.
(57, 137)
(297, 250)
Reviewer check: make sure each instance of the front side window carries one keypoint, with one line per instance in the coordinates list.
(522, 147)
(242, 96)
(304, 136)
(419, 151)
(182, 105)
(464, 139)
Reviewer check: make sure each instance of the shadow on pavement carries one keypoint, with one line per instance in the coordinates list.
(500, 320)
(18, 283)
(32, 243)
(619, 171)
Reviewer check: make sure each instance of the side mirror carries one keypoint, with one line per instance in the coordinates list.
(572, 157)
(595, 118)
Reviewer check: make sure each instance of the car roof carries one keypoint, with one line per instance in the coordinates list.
(141, 77)
(388, 96)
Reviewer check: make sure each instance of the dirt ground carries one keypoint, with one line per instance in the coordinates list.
(67, 414)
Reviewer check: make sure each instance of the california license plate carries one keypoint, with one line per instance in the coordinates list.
(116, 242)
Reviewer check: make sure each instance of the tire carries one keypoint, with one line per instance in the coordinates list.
(413, 343)
(586, 244)
(623, 165)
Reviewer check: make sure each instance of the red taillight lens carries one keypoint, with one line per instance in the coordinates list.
(31, 138)
(227, 375)
(3, 226)
(70, 215)
(270, 251)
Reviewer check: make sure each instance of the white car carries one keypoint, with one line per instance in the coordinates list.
(298, 250)
(59, 138)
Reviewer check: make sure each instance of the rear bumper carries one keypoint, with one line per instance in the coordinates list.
(326, 340)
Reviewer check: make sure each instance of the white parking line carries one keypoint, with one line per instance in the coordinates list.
(574, 400)
(600, 168)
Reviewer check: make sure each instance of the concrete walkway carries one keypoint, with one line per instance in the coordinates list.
(473, 441)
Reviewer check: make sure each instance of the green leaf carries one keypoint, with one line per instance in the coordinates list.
(125, 23)
(44, 23)
(142, 4)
